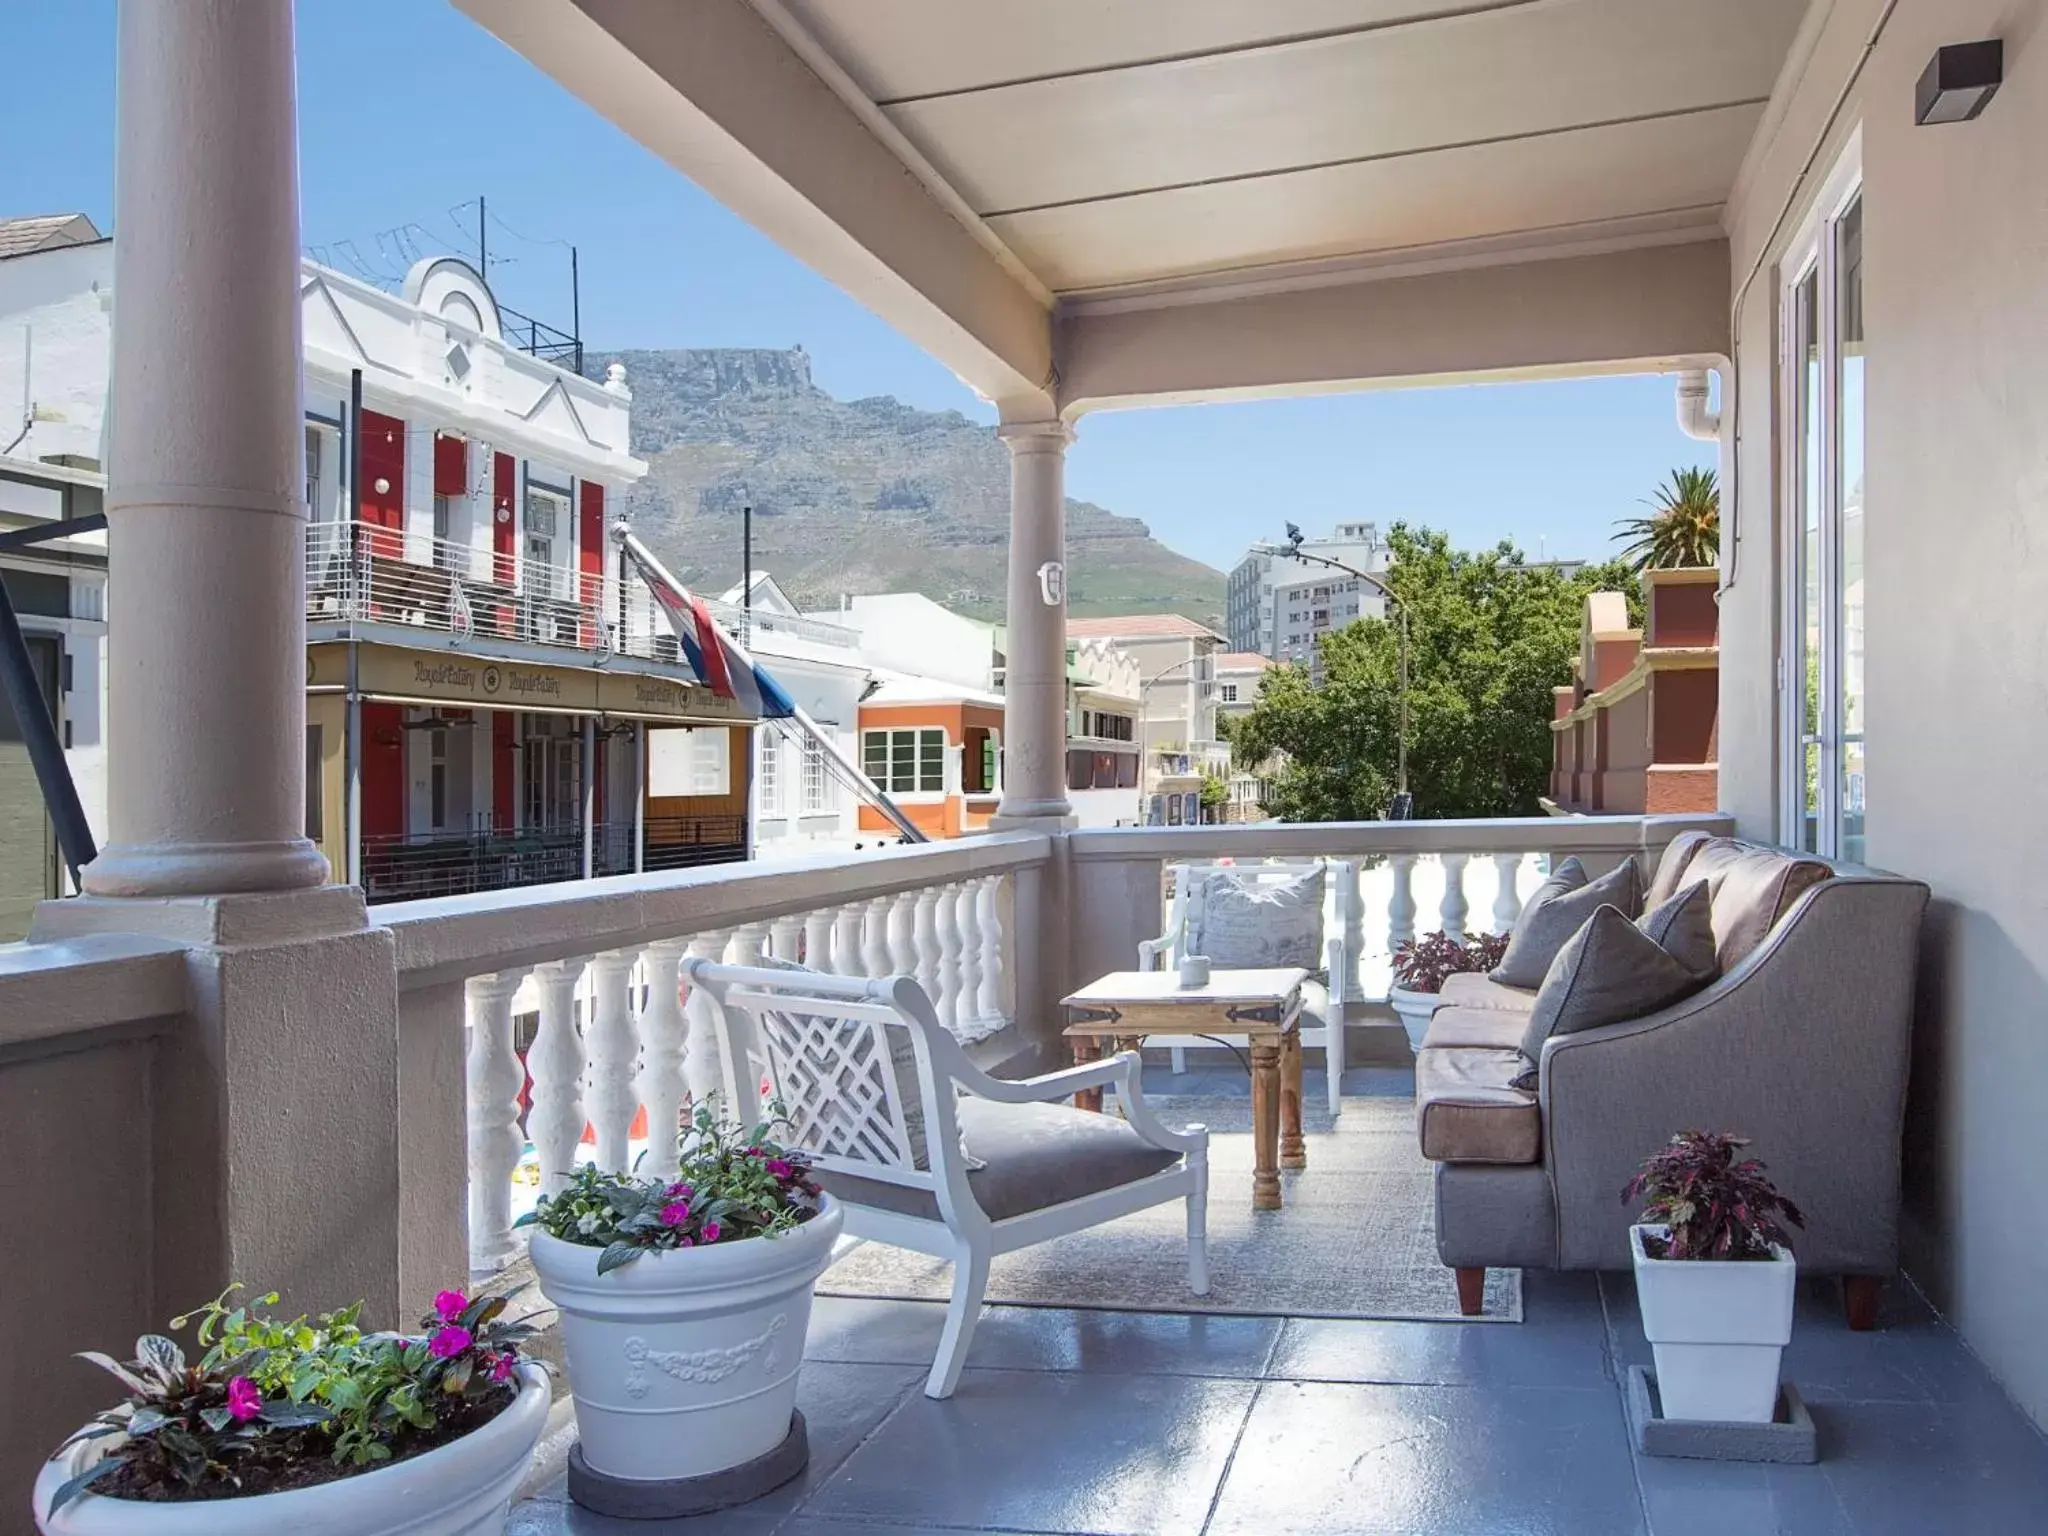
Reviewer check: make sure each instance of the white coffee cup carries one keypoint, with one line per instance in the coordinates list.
(1194, 971)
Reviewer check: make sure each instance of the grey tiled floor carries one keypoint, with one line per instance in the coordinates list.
(1139, 1424)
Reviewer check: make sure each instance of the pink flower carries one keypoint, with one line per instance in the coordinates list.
(710, 1231)
(680, 1191)
(780, 1168)
(675, 1213)
(501, 1367)
(449, 1305)
(244, 1401)
(684, 1242)
(449, 1342)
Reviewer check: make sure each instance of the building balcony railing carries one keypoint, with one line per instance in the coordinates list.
(459, 862)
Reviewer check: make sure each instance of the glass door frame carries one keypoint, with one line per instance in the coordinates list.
(1813, 253)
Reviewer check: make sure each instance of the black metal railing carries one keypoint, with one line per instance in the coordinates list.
(546, 342)
(412, 866)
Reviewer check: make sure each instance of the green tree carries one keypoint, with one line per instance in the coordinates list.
(1491, 637)
(1685, 528)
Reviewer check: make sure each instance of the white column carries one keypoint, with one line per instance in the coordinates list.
(946, 930)
(988, 899)
(1455, 908)
(847, 959)
(662, 1037)
(875, 957)
(703, 1066)
(1401, 904)
(1035, 682)
(784, 934)
(554, 1118)
(1351, 918)
(1507, 900)
(967, 917)
(924, 933)
(610, 1049)
(818, 940)
(903, 934)
(206, 667)
(494, 1078)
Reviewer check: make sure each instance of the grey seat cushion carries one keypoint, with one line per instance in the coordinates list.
(1253, 919)
(1613, 969)
(1557, 910)
(1491, 1029)
(1477, 989)
(1036, 1155)
(1468, 1110)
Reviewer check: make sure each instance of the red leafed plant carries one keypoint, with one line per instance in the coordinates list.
(1716, 1204)
(1422, 965)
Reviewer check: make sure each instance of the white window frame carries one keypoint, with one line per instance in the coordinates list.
(1813, 251)
(769, 773)
(818, 799)
(917, 789)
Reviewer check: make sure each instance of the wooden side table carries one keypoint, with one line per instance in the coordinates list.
(1118, 1011)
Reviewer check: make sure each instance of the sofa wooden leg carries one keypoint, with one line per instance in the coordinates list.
(1471, 1291)
(1859, 1301)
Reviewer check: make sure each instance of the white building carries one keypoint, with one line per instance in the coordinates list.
(1280, 607)
(1105, 694)
(1179, 746)
(797, 804)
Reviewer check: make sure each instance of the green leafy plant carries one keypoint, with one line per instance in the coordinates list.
(1713, 1203)
(271, 1403)
(1685, 528)
(1424, 964)
(733, 1183)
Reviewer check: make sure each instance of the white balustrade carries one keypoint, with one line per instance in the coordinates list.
(946, 933)
(1455, 908)
(875, 956)
(903, 936)
(663, 1038)
(609, 1050)
(847, 954)
(554, 1117)
(785, 937)
(494, 1080)
(818, 940)
(1507, 899)
(966, 917)
(1401, 906)
(924, 932)
(703, 1062)
(1351, 912)
(988, 908)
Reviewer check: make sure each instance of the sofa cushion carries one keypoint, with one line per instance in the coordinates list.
(1253, 920)
(1613, 969)
(1476, 989)
(1493, 1029)
(1035, 1156)
(1558, 910)
(1752, 887)
(1670, 871)
(1467, 1109)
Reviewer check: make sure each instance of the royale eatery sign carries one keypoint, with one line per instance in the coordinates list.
(408, 676)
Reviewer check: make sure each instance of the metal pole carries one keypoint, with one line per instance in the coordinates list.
(639, 797)
(45, 751)
(747, 574)
(1402, 774)
(589, 796)
(576, 307)
(483, 260)
(352, 772)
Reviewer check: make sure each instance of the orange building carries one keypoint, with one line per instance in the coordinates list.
(936, 749)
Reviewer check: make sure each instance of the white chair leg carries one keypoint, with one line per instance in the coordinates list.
(970, 1282)
(1333, 1064)
(1198, 1226)
(1180, 1060)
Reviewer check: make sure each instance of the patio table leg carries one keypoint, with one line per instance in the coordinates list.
(1086, 1049)
(1293, 1149)
(1265, 1125)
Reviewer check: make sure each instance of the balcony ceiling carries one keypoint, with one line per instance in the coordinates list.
(1136, 143)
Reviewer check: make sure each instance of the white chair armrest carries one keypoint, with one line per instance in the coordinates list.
(1119, 1071)
(1156, 954)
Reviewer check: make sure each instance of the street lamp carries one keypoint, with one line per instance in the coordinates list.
(1292, 550)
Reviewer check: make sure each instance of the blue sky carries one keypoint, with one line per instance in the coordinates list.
(408, 110)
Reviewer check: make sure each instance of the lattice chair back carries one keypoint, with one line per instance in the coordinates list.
(852, 1075)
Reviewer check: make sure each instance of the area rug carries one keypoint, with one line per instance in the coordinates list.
(1356, 1238)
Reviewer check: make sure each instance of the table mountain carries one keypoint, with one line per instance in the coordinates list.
(857, 496)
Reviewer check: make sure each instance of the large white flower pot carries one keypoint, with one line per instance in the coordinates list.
(1717, 1328)
(1414, 1010)
(683, 1362)
(464, 1488)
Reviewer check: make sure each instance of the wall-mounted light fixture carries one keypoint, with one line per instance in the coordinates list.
(1959, 82)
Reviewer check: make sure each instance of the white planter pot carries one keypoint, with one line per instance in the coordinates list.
(464, 1488)
(1717, 1328)
(684, 1362)
(1414, 1010)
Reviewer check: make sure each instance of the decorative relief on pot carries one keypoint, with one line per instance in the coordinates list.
(702, 1366)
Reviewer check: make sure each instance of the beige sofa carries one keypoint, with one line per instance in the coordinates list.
(1801, 1044)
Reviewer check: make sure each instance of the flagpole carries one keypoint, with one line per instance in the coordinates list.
(851, 771)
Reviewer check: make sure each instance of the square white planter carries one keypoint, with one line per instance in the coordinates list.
(1717, 1328)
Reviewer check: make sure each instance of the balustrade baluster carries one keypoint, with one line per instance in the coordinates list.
(662, 1041)
(1401, 904)
(1351, 913)
(609, 1049)
(847, 959)
(1455, 908)
(946, 929)
(967, 918)
(988, 901)
(493, 1078)
(818, 940)
(554, 1120)
(925, 941)
(1507, 899)
(875, 957)
(703, 1066)
(785, 937)
(903, 935)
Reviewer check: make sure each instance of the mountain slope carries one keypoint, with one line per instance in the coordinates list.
(857, 496)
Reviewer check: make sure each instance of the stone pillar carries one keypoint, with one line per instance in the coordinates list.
(1035, 685)
(207, 658)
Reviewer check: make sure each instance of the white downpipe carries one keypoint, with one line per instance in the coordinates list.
(1694, 419)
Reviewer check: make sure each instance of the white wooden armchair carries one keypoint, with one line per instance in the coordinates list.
(882, 1097)
(1324, 996)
